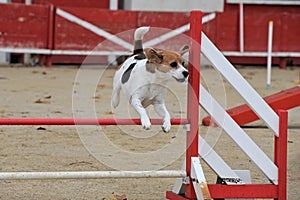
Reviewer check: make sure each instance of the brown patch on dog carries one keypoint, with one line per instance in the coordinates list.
(150, 67)
(153, 55)
(162, 60)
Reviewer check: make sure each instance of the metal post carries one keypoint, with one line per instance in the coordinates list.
(241, 27)
(51, 25)
(269, 59)
(113, 4)
(193, 96)
(26, 57)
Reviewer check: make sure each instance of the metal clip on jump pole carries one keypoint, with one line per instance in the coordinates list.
(194, 184)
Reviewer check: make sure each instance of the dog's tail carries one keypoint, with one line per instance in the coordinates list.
(138, 38)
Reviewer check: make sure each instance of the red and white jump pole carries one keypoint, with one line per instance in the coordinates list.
(193, 97)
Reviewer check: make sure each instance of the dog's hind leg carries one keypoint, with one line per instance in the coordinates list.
(115, 99)
(137, 105)
(162, 111)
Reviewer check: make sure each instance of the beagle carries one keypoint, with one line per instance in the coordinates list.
(143, 77)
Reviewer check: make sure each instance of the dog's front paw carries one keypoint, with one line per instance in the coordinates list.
(146, 124)
(166, 127)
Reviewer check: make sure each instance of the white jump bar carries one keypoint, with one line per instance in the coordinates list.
(91, 175)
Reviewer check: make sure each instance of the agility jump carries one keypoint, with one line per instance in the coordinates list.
(192, 183)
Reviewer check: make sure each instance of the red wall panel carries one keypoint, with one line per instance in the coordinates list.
(71, 36)
(224, 30)
(28, 26)
(290, 31)
(162, 23)
(227, 29)
(23, 26)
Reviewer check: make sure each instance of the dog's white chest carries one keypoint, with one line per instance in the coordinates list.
(152, 94)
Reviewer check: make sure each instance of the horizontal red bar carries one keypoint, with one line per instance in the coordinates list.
(265, 191)
(83, 121)
(170, 195)
(243, 191)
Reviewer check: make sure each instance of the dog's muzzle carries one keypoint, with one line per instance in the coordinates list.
(181, 80)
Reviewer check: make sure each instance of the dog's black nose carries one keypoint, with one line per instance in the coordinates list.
(185, 73)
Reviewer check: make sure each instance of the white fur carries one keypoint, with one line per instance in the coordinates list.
(145, 88)
(140, 32)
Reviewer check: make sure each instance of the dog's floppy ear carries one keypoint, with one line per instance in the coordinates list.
(184, 50)
(153, 56)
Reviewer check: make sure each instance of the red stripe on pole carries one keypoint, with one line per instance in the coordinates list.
(280, 151)
(83, 121)
(193, 96)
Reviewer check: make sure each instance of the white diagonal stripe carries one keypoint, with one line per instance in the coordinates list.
(255, 102)
(167, 36)
(237, 134)
(94, 29)
(177, 31)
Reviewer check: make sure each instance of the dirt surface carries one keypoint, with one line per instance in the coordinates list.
(67, 91)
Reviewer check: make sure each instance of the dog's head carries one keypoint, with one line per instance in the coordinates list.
(169, 63)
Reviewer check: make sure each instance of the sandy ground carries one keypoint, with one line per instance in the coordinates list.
(67, 91)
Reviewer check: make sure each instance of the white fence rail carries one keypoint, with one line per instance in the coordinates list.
(91, 175)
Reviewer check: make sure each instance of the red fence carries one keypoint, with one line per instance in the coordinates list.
(37, 26)
(24, 26)
(224, 30)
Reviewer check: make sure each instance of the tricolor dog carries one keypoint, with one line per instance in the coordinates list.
(143, 78)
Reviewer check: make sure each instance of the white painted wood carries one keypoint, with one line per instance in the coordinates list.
(241, 15)
(256, 102)
(198, 177)
(28, 2)
(174, 5)
(92, 53)
(3, 58)
(216, 163)
(261, 54)
(25, 50)
(208, 18)
(167, 36)
(91, 175)
(223, 119)
(176, 32)
(179, 186)
(269, 58)
(246, 177)
(81, 52)
(93, 28)
(63, 52)
(268, 2)
(113, 4)
(100, 32)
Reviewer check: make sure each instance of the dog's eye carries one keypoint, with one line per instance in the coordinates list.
(173, 64)
(182, 63)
